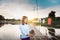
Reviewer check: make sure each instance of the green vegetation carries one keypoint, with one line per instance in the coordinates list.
(12, 21)
(9, 21)
(1, 18)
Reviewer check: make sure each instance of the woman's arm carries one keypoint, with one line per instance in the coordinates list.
(31, 32)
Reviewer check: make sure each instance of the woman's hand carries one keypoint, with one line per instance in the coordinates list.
(29, 34)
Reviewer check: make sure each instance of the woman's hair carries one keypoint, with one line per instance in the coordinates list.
(23, 18)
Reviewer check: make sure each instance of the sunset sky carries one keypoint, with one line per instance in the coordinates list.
(18, 8)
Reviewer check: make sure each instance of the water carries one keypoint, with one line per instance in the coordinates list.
(9, 31)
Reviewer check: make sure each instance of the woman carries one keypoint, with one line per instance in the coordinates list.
(25, 29)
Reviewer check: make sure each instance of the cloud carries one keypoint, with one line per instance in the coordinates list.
(44, 12)
(16, 9)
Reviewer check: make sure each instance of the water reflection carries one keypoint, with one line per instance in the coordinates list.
(9, 31)
(1, 24)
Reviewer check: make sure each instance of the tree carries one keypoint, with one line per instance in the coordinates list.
(2, 18)
(52, 14)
